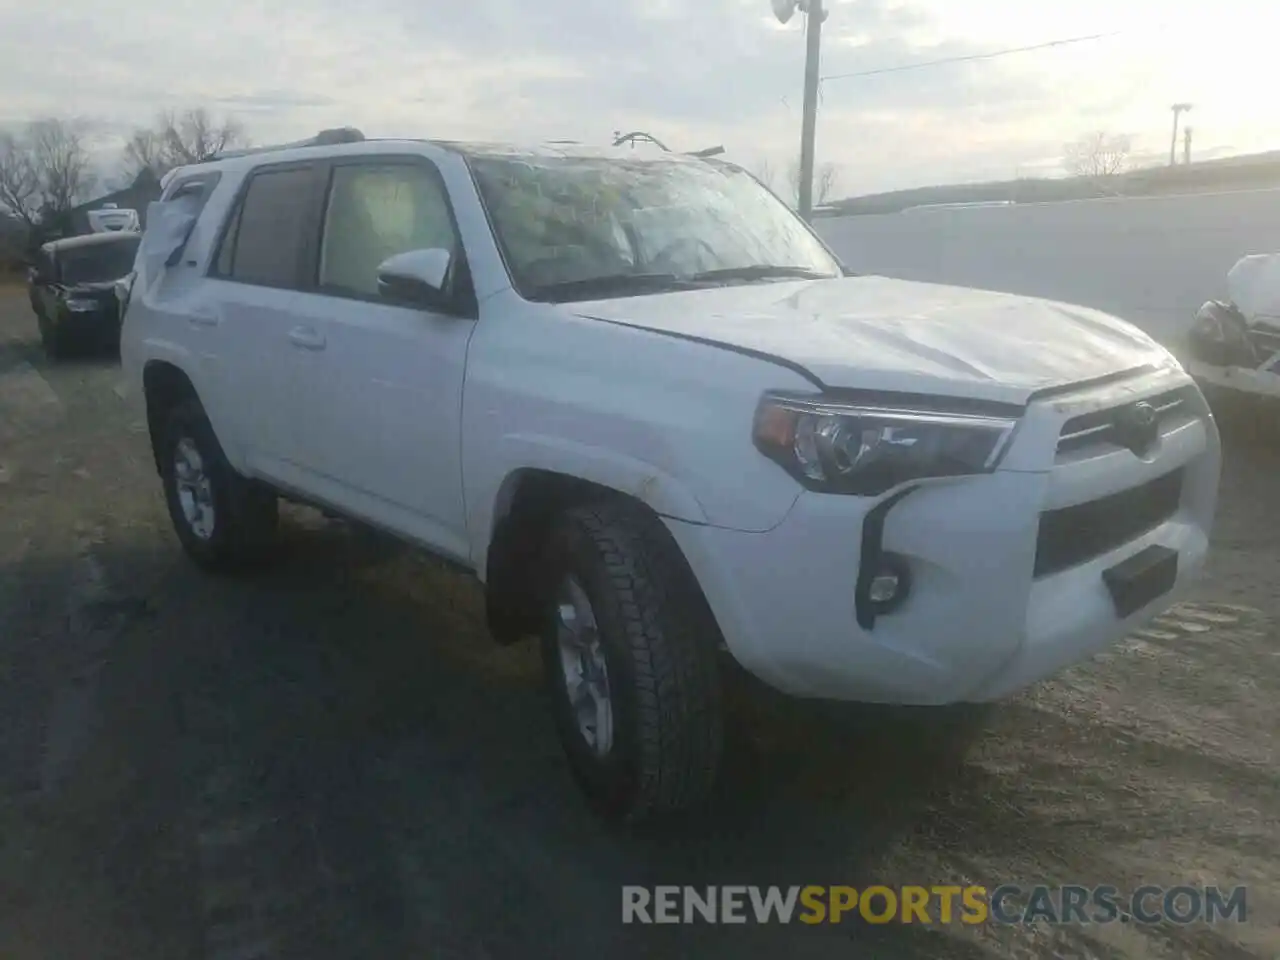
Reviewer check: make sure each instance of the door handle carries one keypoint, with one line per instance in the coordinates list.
(200, 319)
(307, 338)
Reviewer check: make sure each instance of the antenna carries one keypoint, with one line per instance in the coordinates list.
(784, 9)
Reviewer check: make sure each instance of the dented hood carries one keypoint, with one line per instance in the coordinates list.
(894, 335)
(1253, 285)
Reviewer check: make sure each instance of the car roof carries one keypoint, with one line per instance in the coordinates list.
(562, 150)
(250, 159)
(89, 240)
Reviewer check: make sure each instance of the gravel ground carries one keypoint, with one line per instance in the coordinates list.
(333, 761)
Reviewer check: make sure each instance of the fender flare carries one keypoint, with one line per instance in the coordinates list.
(656, 488)
(168, 353)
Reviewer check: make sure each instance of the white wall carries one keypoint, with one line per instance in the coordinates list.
(1152, 260)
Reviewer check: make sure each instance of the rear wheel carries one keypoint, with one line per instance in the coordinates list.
(629, 646)
(223, 520)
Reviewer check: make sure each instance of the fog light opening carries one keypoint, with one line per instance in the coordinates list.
(889, 585)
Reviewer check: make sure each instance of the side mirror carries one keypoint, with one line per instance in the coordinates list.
(415, 276)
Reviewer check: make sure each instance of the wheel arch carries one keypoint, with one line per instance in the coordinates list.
(164, 385)
(526, 505)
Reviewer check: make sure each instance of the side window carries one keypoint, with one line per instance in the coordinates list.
(376, 211)
(192, 191)
(263, 244)
(187, 198)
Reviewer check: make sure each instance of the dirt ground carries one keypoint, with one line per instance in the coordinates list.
(333, 761)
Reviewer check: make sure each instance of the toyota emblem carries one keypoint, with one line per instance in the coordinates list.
(1136, 427)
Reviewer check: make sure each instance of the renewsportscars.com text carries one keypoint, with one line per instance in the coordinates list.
(942, 904)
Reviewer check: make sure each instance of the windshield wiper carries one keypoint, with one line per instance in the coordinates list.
(763, 271)
(614, 284)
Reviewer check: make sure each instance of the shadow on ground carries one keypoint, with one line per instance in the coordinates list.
(351, 768)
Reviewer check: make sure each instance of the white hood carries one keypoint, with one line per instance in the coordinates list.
(1253, 285)
(881, 334)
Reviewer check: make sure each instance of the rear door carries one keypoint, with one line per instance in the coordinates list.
(266, 250)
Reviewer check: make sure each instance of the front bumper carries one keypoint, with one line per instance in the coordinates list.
(978, 624)
(97, 327)
(1258, 382)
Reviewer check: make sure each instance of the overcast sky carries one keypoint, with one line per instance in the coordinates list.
(694, 73)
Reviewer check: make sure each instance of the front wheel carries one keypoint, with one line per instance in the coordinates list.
(51, 339)
(629, 646)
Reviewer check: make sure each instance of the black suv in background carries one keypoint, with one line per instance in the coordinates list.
(72, 289)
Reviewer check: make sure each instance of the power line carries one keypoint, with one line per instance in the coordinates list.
(973, 56)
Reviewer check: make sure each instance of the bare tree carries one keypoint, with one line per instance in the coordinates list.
(62, 163)
(825, 181)
(144, 151)
(45, 170)
(178, 138)
(194, 135)
(793, 183)
(764, 172)
(19, 181)
(825, 178)
(1097, 154)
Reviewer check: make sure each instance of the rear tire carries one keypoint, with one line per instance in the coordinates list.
(224, 521)
(646, 638)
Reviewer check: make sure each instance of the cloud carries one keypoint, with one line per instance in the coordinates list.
(693, 73)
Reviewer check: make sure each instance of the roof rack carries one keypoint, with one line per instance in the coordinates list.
(322, 139)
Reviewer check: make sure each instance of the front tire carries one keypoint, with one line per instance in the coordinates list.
(51, 339)
(224, 521)
(629, 646)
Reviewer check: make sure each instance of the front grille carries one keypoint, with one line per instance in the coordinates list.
(1076, 534)
(1097, 425)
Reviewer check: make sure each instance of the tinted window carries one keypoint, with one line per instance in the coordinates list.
(266, 243)
(99, 262)
(376, 211)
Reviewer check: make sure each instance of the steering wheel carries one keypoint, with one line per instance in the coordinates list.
(667, 253)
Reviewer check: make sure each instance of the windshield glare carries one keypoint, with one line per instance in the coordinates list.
(570, 221)
(99, 263)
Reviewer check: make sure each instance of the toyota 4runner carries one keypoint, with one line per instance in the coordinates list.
(654, 414)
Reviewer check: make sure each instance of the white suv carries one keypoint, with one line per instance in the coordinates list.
(646, 405)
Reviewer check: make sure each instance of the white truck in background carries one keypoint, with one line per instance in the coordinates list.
(112, 219)
(1235, 344)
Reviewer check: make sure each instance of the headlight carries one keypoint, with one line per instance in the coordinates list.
(81, 306)
(865, 450)
(1221, 336)
(1217, 322)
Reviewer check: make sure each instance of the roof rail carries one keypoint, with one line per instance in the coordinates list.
(322, 139)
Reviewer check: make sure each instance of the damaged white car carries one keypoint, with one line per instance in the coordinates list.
(1235, 344)
(647, 407)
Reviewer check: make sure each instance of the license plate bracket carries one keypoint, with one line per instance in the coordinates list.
(1135, 582)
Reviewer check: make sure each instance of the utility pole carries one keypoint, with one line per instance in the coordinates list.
(1178, 109)
(1186, 145)
(814, 15)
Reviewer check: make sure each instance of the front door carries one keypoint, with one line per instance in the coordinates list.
(384, 403)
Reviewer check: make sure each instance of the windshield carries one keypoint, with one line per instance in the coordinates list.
(573, 228)
(99, 262)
